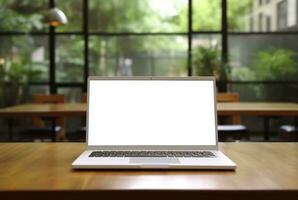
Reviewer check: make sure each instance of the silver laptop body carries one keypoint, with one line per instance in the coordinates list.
(152, 123)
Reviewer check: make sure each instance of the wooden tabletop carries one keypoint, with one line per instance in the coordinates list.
(79, 109)
(45, 110)
(258, 108)
(267, 168)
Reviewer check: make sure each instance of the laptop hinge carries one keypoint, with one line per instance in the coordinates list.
(153, 148)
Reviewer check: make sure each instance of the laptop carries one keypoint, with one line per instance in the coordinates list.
(152, 123)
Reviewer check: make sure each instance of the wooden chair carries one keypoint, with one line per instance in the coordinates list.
(40, 129)
(234, 128)
(84, 98)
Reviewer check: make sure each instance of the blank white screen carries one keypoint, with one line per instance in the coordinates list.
(151, 112)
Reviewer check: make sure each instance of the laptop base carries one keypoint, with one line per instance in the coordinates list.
(220, 162)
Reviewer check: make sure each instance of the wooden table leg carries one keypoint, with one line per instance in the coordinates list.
(266, 121)
(296, 128)
(53, 120)
(10, 129)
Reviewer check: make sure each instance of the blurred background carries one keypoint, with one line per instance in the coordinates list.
(249, 45)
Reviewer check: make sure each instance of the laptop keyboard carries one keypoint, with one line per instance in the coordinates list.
(201, 154)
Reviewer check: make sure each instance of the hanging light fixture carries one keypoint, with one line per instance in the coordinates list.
(55, 17)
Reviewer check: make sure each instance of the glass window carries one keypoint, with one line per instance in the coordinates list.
(206, 15)
(138, 55)
(263, 57)
(33, 90)
(240, 15)
(206, 54)
(72, 94)
(24, 58)
(138, 16)
(73, 10)
(266, 92)
(72, 124)
(69, 58)
(283, 15)
(20, 94)
(22, 15)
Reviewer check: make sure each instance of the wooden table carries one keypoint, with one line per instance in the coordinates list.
(266, 110)
(49, 111)
(43, 171)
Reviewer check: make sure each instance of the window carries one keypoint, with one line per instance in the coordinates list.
(282, 15)
(263, 57)
(138, 16)
(142, 37)
(69, 58)
(22, 15)
(25, 57)
(73, 9)
(260, 2)
(260, 22)
(138, 55)
(206, 15)
(239, 13)
(268, 23)
(251, 24)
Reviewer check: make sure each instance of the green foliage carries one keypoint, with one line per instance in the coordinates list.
(271, 64)
(224, 71)
(207, 15)
(275, 64)
(206, 61)
(133, 16)
(243, 74)
(247, 74)
(70, 54)
(17, 73)
(236, 13)
(21, 15)
(14, 79)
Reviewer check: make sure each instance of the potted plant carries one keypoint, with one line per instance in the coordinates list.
(207, 62)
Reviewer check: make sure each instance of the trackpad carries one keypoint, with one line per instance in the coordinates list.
(152, 160)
